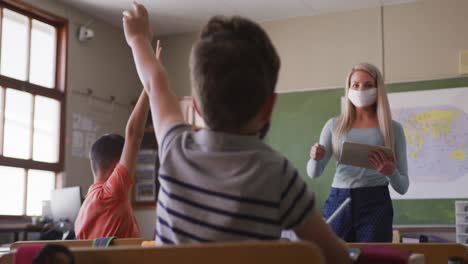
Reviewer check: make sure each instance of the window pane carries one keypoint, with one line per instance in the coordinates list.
(14, 45)
(11, 191)
(2, 94)
(46, 129)
(40, 185)
(17, 140)
(42, 67)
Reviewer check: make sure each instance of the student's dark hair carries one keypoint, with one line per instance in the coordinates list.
(105, 151)
(234, 69)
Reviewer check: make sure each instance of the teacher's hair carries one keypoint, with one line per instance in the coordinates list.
(345, 120)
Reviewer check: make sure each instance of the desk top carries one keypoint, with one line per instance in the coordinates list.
(4, 250)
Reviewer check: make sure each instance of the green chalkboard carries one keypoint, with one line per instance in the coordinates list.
(297, 121)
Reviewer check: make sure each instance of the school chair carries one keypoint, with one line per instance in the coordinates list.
(226, 253)
(6, 258)
(78, 243)
(434, 253)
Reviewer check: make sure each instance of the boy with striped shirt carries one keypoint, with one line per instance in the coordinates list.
(224, 183)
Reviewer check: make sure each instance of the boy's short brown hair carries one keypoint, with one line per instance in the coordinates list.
(234, 69)
(106, 151)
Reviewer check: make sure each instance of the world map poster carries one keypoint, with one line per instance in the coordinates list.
(436, 130)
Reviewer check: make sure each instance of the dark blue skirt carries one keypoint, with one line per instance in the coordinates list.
(368, 218)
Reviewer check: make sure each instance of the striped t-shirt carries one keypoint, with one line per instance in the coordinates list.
(225, 187)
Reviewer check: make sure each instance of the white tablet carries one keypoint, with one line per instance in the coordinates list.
(357, 154)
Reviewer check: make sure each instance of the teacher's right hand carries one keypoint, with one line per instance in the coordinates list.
(317, 152)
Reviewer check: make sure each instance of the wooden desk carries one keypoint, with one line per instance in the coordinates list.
(20, 228)
(79, 243)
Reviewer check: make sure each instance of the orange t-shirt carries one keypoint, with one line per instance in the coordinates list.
(106, 210)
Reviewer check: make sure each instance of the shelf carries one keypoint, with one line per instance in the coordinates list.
(144, 205)
(424, 228)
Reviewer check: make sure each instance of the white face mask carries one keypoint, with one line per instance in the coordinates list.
(362, 98)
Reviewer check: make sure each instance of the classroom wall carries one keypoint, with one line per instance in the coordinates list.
(175, 56)
(316, 52)
(421, 39)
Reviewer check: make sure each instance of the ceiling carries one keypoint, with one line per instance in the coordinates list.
(177, 16)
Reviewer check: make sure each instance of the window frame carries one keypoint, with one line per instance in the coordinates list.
(58, 92)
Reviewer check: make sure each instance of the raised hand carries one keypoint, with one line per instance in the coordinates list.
(317, 152)
(136, 24)
(381, 163)
(158, 49)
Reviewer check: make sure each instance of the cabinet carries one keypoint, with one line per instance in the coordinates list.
(461, 221)
(146, 186)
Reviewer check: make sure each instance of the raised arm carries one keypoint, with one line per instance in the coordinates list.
(134, 133)
(165, 108)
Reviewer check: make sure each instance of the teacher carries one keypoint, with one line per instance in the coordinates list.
(366, 118)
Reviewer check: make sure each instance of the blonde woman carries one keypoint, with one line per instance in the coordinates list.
(366, 119)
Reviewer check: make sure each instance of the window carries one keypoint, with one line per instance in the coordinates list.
(32, 106)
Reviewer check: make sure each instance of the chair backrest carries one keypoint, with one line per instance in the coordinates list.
(226, 253)
(434, 253)
(79, 243)
(6, 258)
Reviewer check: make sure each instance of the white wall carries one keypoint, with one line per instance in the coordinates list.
(317, 52)
(422, 40)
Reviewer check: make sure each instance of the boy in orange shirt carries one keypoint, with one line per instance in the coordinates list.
(106, 210)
